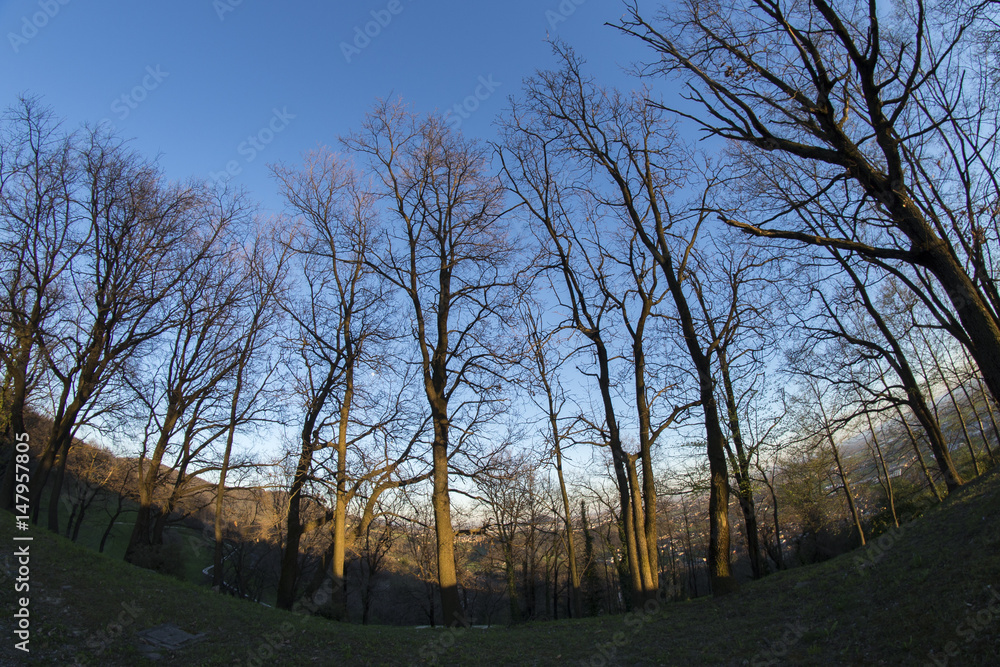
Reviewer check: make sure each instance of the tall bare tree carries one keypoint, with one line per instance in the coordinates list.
(141, 238)
(506, 491)
(849, 98)
(338, 309)
(579, 274)
(38, 241)
(636, 153)
(450, 254)
(544, 364)
(189, 377)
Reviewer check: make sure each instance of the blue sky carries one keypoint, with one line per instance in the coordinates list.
(194, 82)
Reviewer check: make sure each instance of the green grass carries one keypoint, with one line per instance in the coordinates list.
(192, 549)
(929, 588)
(94, 523)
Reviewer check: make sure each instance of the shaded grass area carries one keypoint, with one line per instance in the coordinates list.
(95, 522)
(191, 550)
(929, 591)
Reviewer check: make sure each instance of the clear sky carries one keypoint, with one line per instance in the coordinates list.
(211, 86)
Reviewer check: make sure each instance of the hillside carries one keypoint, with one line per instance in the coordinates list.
(912, 597)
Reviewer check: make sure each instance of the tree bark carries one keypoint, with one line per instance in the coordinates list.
(914, 397)
(339, 601)
(288, 578)
(741, 470)
(451, 605)
(852, 506)
(920, 454)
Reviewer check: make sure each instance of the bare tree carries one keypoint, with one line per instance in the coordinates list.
(121, 486)
(632, 147)
(747, 330)
(450, 255)
(823, 101)
(250, 390)
(189, 378)
(821, 420)
(506, 490)
(92, 470)
(337, 307)
(38, 241)
(543, 376)
(375, 542)
(141, 239)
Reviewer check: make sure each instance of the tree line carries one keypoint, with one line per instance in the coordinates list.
(436, 315)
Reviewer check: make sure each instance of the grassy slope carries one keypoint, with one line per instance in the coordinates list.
(931, 589)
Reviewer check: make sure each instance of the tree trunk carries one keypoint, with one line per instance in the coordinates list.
(649, 585)
(975, 412)
(339, 602)
(779, 558)
(954, 406)
(142, 531)
(890, 496)
(647, 536)
(451, 606)
(111, 525)
(719, 567)
(511, 578)
(79, 517)
(741, 471)
(920, 454)
(575, 601)
(60, 433)
(855, 515)
(618, 457)
(290, 556)
(218, 566)
(979, 323)
(689, 543)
